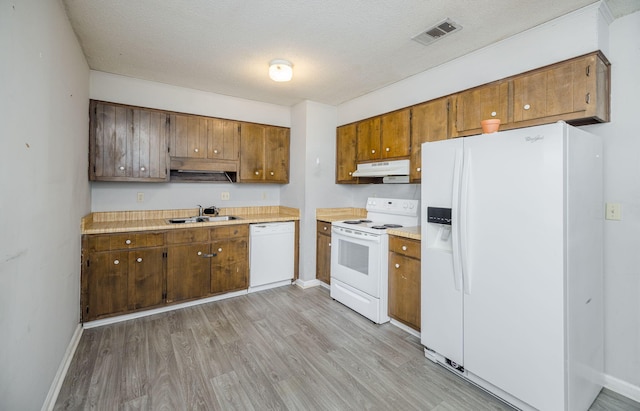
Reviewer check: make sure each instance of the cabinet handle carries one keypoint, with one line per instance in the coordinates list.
(199, 252)
(142, 168)
(121, 168)
(210, 255)
(404, 248)
(373, 151)
(116, 262)
(139, 259)
(588, 98)
(493, 114)
(257, 173)
(526, 107)
(272, 173)
(127, 242)
(588, 71)
(195, 150)
(215, 151)
(388, 149)
(397, 265)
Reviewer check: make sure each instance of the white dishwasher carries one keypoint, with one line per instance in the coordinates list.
(271, 255)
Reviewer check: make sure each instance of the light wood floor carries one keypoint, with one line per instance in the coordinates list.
(284, 348)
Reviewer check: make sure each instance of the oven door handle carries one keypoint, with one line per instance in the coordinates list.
(364, 238)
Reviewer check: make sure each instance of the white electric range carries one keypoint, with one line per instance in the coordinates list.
(360, 255)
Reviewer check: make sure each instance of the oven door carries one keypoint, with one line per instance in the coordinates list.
(356, 259)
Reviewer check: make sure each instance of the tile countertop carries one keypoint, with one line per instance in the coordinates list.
(330, 215)
(147, 220)
(407, 232)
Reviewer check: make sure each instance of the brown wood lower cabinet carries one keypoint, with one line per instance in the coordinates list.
(121, 273)
(323, 252)
(126, 272)
(404, 281)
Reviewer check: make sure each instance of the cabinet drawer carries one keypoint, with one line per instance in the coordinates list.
(324, 228)
(124, 241)
(231, 231)
(404, 246)
(187, 236)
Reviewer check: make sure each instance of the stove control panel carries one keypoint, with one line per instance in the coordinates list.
(392, 206)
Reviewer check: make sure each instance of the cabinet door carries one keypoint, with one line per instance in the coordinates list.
(395, 134)
(368, 139)
(251, 152)
(188, 136)
(323, 257)
(404, 289)
(229, 264)
(481, 103)
(223, 139)
(127, 143)
(107, 285)
(566, 89)
(346, 154)
(188, 271)
(146, 278)
(429, 122)
(276, 152)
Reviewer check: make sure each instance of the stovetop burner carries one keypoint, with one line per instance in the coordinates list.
(385, 226)
(356, 221)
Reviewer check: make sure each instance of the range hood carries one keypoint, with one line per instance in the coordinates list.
(383, 169)
(204, 170)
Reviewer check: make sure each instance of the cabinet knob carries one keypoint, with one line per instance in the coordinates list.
(404, 248)
(373, 151)
(329, 244)
(493, 114)
(257, 173)
(215, 151)
(116, 262)
(127, 242)
(142, 168)
(526, 107)
(397, 265)
(350, 172)
(418, 169)
(219, 250)
(324, 228)
(199, 252)
(139, 259)
(195, 150)
(388, 149)
(272, 173)
(121, 168)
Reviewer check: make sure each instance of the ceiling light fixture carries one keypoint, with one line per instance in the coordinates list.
(280, 70)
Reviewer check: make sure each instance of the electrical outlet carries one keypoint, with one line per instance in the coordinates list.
(224, 195)
(264, 195)
(140, 197)
(613, 211)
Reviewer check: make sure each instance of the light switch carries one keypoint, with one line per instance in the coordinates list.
(225, 195)
(613, 211)
(140, 197)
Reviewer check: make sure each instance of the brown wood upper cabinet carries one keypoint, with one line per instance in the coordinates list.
(264, 154)
(480, 103)
(574, 89)
(199, 137)
(127, 143)
(386, 136)
(346, 154)
(429, 122)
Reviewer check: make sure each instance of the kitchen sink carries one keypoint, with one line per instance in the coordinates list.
(201, 219)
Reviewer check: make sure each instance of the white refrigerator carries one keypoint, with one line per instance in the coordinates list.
(512, 264)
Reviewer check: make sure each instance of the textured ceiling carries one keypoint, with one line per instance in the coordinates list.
(340, 49)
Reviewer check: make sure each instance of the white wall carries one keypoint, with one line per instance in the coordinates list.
(123, 196)
(44, 83)
(572, 35)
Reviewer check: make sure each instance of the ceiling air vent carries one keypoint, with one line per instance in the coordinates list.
(437, 32)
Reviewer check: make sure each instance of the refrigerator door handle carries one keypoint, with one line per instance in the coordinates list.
(455, 227)
(464, 222)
